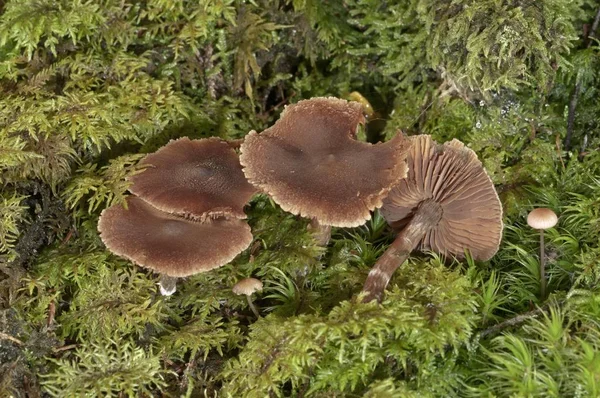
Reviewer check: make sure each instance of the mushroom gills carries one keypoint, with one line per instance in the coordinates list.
(447, 204)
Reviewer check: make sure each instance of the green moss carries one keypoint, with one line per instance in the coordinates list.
(88, 87)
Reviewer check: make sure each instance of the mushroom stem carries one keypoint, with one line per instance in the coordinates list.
(542, 267)
(252, 307)
(167, 284)
(322, 233)
(427, 216)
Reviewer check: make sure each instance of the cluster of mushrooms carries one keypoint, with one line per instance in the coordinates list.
(186, 212)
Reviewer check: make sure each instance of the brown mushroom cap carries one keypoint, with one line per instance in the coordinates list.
(311, 164)
(542, 218)
(169, 244)
(247, 286)
(451, 176)
(199, 178)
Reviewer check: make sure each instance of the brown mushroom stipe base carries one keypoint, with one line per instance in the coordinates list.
(310, 163)
(425, 218)
(447, 204)
(194, 178)
(168, 244)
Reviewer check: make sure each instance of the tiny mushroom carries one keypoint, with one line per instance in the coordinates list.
(169, 244)
(447, 204)
(542, 219)
(198, 179)
(311, 164)
(247, 286)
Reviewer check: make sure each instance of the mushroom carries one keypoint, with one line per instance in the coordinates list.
(447, 204)
(167, 285)
(310, 163)
(169, 244)
(542, 219)
(248, 286)
(194, 178)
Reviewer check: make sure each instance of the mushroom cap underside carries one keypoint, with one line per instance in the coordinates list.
(452, 176)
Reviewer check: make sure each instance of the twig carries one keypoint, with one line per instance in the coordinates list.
(559, 151)
(265, 115)
(592, 33)
(235, 144)
(571, 117)
(65, 347)
(577, 90)
(188, 369)
(583, 148)
(51, 313)
(514, 321)
(4, 336)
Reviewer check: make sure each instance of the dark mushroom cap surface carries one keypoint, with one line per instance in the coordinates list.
(169, 244)
(451, 176)
(310, 163)
(195, 178)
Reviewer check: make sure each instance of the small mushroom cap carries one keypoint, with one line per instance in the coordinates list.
(542, 218)
(168, 244)
(247, 286)
(453, 177)
(310, 163)
(195, 178)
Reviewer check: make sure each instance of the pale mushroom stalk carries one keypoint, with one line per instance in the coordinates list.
(542, 266)
(251, 305)
(426, 217)
(167, 284)
(321, 232)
